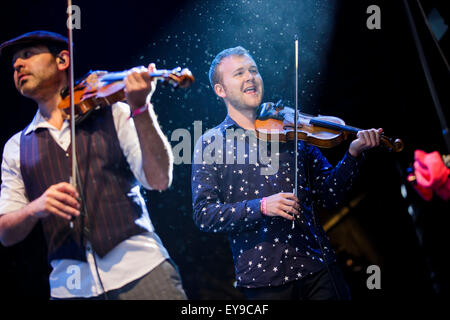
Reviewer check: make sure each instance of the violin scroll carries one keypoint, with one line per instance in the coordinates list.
(394, 146)
(177, 77)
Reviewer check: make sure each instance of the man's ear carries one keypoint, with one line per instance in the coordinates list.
(63, 60)
(219, 90)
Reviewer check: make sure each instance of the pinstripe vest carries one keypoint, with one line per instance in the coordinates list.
(109, 213)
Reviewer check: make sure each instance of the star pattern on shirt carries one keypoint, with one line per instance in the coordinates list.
(259, 242)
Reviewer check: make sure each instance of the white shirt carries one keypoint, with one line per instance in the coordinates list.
(130, 259)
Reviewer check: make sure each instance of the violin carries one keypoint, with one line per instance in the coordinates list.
(275, 121)
(101, 88)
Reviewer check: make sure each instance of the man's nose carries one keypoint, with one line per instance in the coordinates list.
(249, 76)
(18, 64)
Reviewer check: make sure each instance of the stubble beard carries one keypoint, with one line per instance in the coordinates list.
(241, 105)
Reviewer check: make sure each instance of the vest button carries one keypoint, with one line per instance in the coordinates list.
(67, 155)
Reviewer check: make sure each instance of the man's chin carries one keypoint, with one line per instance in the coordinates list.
(26, 89)
(246, 104)
(254, 104)
(23, 91)
(26, 92)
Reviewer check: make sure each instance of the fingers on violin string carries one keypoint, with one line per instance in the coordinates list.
(136, 69)
(370, 140)
(146, 77)
(366, 135)
(374, 137)
(129, 80)
(151, 68)
(144, 74)
(139, 80)
(133, 76)
(127, 84)
(139, 77)
(379, 134)
(360, 136)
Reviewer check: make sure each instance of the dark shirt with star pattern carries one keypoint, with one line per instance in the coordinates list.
(230, 176)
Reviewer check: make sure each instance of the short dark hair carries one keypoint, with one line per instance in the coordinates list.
(55, 48)
(214, 77)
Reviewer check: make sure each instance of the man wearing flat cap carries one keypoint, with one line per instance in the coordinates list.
(101, 242)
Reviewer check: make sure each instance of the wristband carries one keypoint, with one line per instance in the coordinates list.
(139, 111)
(264, 205)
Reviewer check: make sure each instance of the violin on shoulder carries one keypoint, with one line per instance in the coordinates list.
(101, 88)
(275, 121)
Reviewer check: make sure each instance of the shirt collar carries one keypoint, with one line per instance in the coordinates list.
(38, 122)
(228, 122)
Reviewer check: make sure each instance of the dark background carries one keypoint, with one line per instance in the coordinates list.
(370, 78)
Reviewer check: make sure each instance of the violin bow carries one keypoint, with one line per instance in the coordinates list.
(73, 178)
(295, 127)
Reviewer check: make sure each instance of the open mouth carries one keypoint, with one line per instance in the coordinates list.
(250, 90)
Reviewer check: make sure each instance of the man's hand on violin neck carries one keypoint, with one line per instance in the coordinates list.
(139, 85)
(365, 139)
(59, 199)
(283, 205)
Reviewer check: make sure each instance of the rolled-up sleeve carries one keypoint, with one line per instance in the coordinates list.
(129, 141)
(13, 196)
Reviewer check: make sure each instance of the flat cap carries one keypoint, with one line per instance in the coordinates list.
(8, 48)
